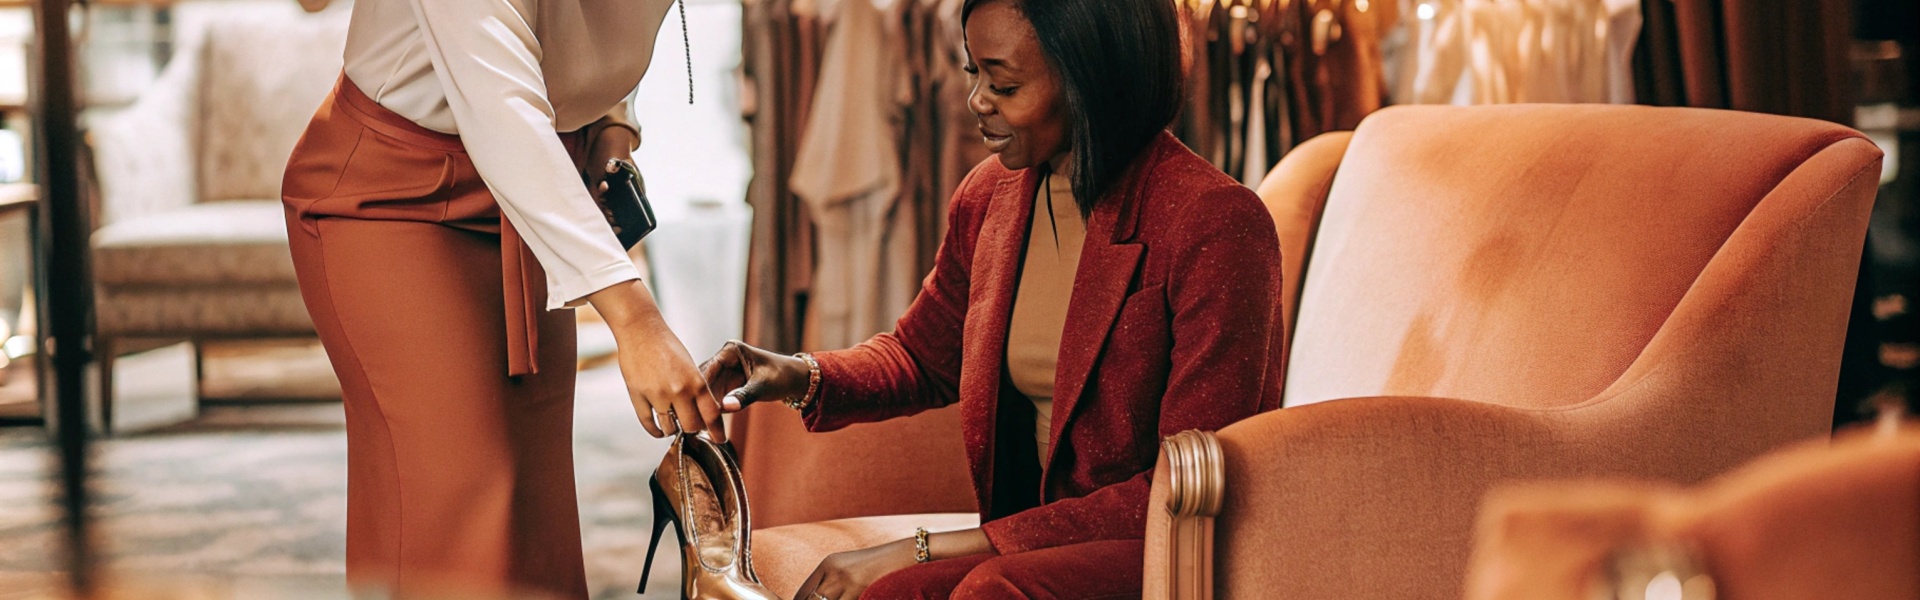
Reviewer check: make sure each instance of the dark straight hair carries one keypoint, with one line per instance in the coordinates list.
(1119, 63)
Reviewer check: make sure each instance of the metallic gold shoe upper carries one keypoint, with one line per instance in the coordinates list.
(701, 483)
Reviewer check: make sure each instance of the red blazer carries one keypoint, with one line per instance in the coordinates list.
(1175, 324)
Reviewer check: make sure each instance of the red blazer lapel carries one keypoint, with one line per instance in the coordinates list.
(994, 278)
(1108, 261)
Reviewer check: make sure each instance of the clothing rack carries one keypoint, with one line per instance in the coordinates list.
(786, 44)
(1266, 75)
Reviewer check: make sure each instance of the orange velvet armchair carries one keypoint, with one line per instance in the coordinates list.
(1503, 293)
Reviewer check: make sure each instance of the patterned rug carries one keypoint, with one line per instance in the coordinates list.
(255, 497)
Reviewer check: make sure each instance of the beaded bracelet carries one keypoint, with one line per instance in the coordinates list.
(920, 552)
(813, 383)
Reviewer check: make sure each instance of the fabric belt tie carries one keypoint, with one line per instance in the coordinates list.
(520, 273)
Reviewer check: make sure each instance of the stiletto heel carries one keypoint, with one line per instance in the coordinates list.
(698, 488)
(662, 516)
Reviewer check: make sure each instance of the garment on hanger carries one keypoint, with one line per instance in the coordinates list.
(1787, 57)
(781, 54)
(847, 170)
(1266, 75)
(1337, 45)
(1254, 164)
(935, 144)
(1505, 51)
(945, 133)
(1438, 63)
(1195, 123)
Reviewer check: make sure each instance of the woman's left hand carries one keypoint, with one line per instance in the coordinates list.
(610, 144)
(846, 575)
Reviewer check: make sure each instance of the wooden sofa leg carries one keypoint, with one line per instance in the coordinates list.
(1197, 478)
(199, 371)
(104, 355)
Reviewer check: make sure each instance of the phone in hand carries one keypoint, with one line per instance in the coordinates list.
(632, 213)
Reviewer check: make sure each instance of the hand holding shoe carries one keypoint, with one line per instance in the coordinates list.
(668, 393)
(750, 375)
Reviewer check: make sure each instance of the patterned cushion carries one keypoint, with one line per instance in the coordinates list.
(210, 311)
(263, 77)
(216, 244)
(144, 155)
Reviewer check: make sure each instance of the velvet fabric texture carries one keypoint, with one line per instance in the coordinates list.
(1173, 326)
(1513, 292)
(1820, 520)
(1302, 181)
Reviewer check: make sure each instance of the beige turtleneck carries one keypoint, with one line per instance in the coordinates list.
(1040, 302)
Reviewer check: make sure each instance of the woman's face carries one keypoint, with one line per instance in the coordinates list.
(1016, 95)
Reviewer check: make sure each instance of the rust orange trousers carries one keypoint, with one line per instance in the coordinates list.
(458, 387)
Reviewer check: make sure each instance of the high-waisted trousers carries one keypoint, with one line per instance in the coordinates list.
(458, 387)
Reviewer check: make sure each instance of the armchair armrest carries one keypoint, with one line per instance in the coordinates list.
(1376, 497)
(1189, 484)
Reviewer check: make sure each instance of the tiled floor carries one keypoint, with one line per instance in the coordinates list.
(256, 497)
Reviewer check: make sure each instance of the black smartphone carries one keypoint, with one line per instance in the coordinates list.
(632, 214)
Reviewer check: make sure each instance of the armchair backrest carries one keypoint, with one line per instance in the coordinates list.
(262, 78)
(1295, 193)
(1530, 255)
(1541, 291)
(223, 116)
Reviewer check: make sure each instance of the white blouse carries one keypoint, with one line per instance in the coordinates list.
(505, 75)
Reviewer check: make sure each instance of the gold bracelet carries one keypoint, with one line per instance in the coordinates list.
(920, 552)
(813, 383)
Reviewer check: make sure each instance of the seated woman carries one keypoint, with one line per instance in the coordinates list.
(1173, 271)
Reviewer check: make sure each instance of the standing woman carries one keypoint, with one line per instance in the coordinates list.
(439, 225)
(1100, 287)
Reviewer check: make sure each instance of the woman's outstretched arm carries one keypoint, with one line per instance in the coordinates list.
(913, 368)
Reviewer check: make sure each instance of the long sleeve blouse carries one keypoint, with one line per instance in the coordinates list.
(505, 75)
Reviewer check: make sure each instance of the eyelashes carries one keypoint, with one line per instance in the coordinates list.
(973, 71)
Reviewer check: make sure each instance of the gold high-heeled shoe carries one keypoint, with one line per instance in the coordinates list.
(697, 489)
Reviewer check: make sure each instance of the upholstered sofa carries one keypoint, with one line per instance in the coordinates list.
(192, 241)
(1482, 295)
